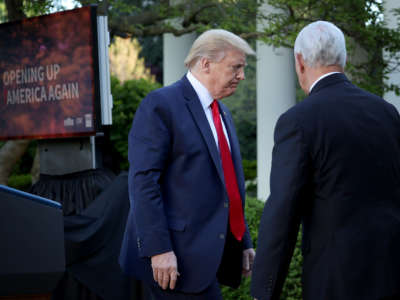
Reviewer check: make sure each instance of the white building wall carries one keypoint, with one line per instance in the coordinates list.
(175, 50)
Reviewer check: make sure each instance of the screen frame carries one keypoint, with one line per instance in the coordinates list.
(96, 101)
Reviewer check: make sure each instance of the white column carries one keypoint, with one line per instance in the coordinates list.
(394, 77)
(276, 92)
(175, 50)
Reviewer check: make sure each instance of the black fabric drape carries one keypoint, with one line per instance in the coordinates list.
(75, 191)
(96, 206)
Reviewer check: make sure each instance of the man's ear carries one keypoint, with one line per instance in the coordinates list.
(300, 62)
(205, 64)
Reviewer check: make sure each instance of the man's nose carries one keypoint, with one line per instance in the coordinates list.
(241, 75)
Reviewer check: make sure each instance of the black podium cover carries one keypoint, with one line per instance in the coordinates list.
(32, 255)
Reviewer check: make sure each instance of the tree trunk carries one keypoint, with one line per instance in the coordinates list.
(12, 151)
(15, 10)
(35, 170)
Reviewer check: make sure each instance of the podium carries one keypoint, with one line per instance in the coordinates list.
(32, 255)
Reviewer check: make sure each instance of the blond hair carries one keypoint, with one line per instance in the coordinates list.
(213, 44)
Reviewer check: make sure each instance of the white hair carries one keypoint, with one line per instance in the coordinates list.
(213, 44)
(321, 43)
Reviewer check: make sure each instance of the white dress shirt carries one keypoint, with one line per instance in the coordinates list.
(206, 100)
(320, 78)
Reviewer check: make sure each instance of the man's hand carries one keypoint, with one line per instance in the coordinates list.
(248, 259)
(165, 269)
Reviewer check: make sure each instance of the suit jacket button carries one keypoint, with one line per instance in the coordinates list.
(226, 204)
(221, 236)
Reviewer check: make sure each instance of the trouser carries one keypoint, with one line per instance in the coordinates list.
(212, 292)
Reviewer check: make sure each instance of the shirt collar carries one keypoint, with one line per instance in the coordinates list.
(201, 91)
(319, 79)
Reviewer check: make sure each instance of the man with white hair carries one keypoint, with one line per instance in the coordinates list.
(336, 171)
(186, 231)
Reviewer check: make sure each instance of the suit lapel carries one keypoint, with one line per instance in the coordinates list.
(194, 106)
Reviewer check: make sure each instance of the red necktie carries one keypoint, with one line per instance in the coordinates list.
(236, 219)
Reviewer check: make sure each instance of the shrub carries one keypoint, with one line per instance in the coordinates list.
(250, 175)
(21, 177)
(250, 169)
(292, 287)
(127, 97)
(20, 182)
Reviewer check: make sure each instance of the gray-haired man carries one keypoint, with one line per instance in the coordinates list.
(336, 170)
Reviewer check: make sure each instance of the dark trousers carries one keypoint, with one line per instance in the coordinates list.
(394, 297)
(213, 292)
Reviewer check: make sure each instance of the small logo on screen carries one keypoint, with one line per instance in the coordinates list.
(88, 120)
(79, 121)
(68, 122)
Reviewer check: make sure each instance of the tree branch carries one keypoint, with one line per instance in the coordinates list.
(150, 22)
(192, 16)
(159, 29)
(145, 18)
(255, 35)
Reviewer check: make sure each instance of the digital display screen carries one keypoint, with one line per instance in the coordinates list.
(49, 82)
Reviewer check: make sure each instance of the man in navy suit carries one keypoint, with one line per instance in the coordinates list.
(186, 231)
(336, 170)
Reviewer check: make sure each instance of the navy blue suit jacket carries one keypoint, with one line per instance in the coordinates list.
(336, 170)
(176, 189)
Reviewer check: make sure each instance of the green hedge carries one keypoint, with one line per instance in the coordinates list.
(250, 175)
(250, 169)
(292, 287)
(20, 182)
(127, 97)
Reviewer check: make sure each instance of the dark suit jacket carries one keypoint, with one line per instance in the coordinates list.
(336, 169)
(177, 191)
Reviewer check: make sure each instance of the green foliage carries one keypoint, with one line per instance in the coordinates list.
(250, 176)
(3, 12)
(253, 211)
(24, 165)
(362, 23)
(361, 20)
(125, 63)
(21, 177)
(250, 169)
(292, 288)
(127, 97)
(152, 52)
(242, 293)
(20, 182)
(37, 8)
(236, 16)
(200, 15)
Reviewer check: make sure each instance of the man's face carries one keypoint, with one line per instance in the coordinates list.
(225, 75)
